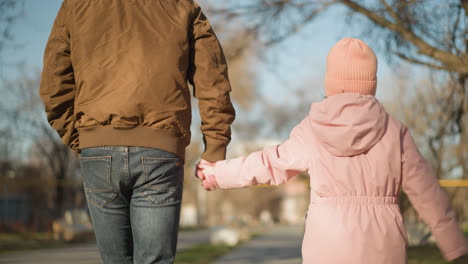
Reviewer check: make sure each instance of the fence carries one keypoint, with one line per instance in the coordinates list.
(14, 209)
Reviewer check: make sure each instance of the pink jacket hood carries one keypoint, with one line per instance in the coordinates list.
(358, 121)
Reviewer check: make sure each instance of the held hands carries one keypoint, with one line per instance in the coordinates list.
(205, 172)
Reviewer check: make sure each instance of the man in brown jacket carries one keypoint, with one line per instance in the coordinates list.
(115, 89)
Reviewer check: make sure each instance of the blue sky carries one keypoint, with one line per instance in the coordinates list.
(299, 62)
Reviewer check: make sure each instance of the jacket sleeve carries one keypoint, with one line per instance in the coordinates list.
(273, 165)
(430, 201)
(208, 74)
(57, 88)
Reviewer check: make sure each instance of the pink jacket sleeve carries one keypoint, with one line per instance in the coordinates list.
(273, 165)
(430, 201)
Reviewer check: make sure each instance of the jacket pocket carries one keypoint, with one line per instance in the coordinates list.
(96, 173)
(163, 180)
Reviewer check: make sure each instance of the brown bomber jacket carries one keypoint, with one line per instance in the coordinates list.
(116, 72)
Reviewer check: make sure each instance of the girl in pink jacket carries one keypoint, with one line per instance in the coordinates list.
(358, 158)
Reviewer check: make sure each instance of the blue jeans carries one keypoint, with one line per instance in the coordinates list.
(134, 196)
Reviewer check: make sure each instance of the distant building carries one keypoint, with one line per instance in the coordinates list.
(14, 209)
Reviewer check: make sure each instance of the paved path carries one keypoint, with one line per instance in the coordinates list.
(280, 245)
(80, 254)
(192, 238)
(87, 254)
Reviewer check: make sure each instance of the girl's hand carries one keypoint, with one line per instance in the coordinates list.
(209, 181)
(198, 168)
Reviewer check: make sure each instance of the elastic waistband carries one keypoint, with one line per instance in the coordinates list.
(123, 148)
(120, 138)
(354, 200)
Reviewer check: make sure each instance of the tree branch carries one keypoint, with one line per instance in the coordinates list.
(451, 62)
(464, 3)
(412, 60)
(390, 11)
(298, 26)
(453, 42)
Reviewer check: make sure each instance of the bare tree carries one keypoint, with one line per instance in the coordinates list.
(429, 114)
(10, 12)
(30, 131)
(431, 33)
(60, 162)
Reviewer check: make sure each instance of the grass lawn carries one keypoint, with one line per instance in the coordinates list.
(201, 254)
(10, 242)
(205, 253)
(425, 255)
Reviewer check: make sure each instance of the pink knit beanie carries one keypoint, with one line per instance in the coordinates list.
(351, 68)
